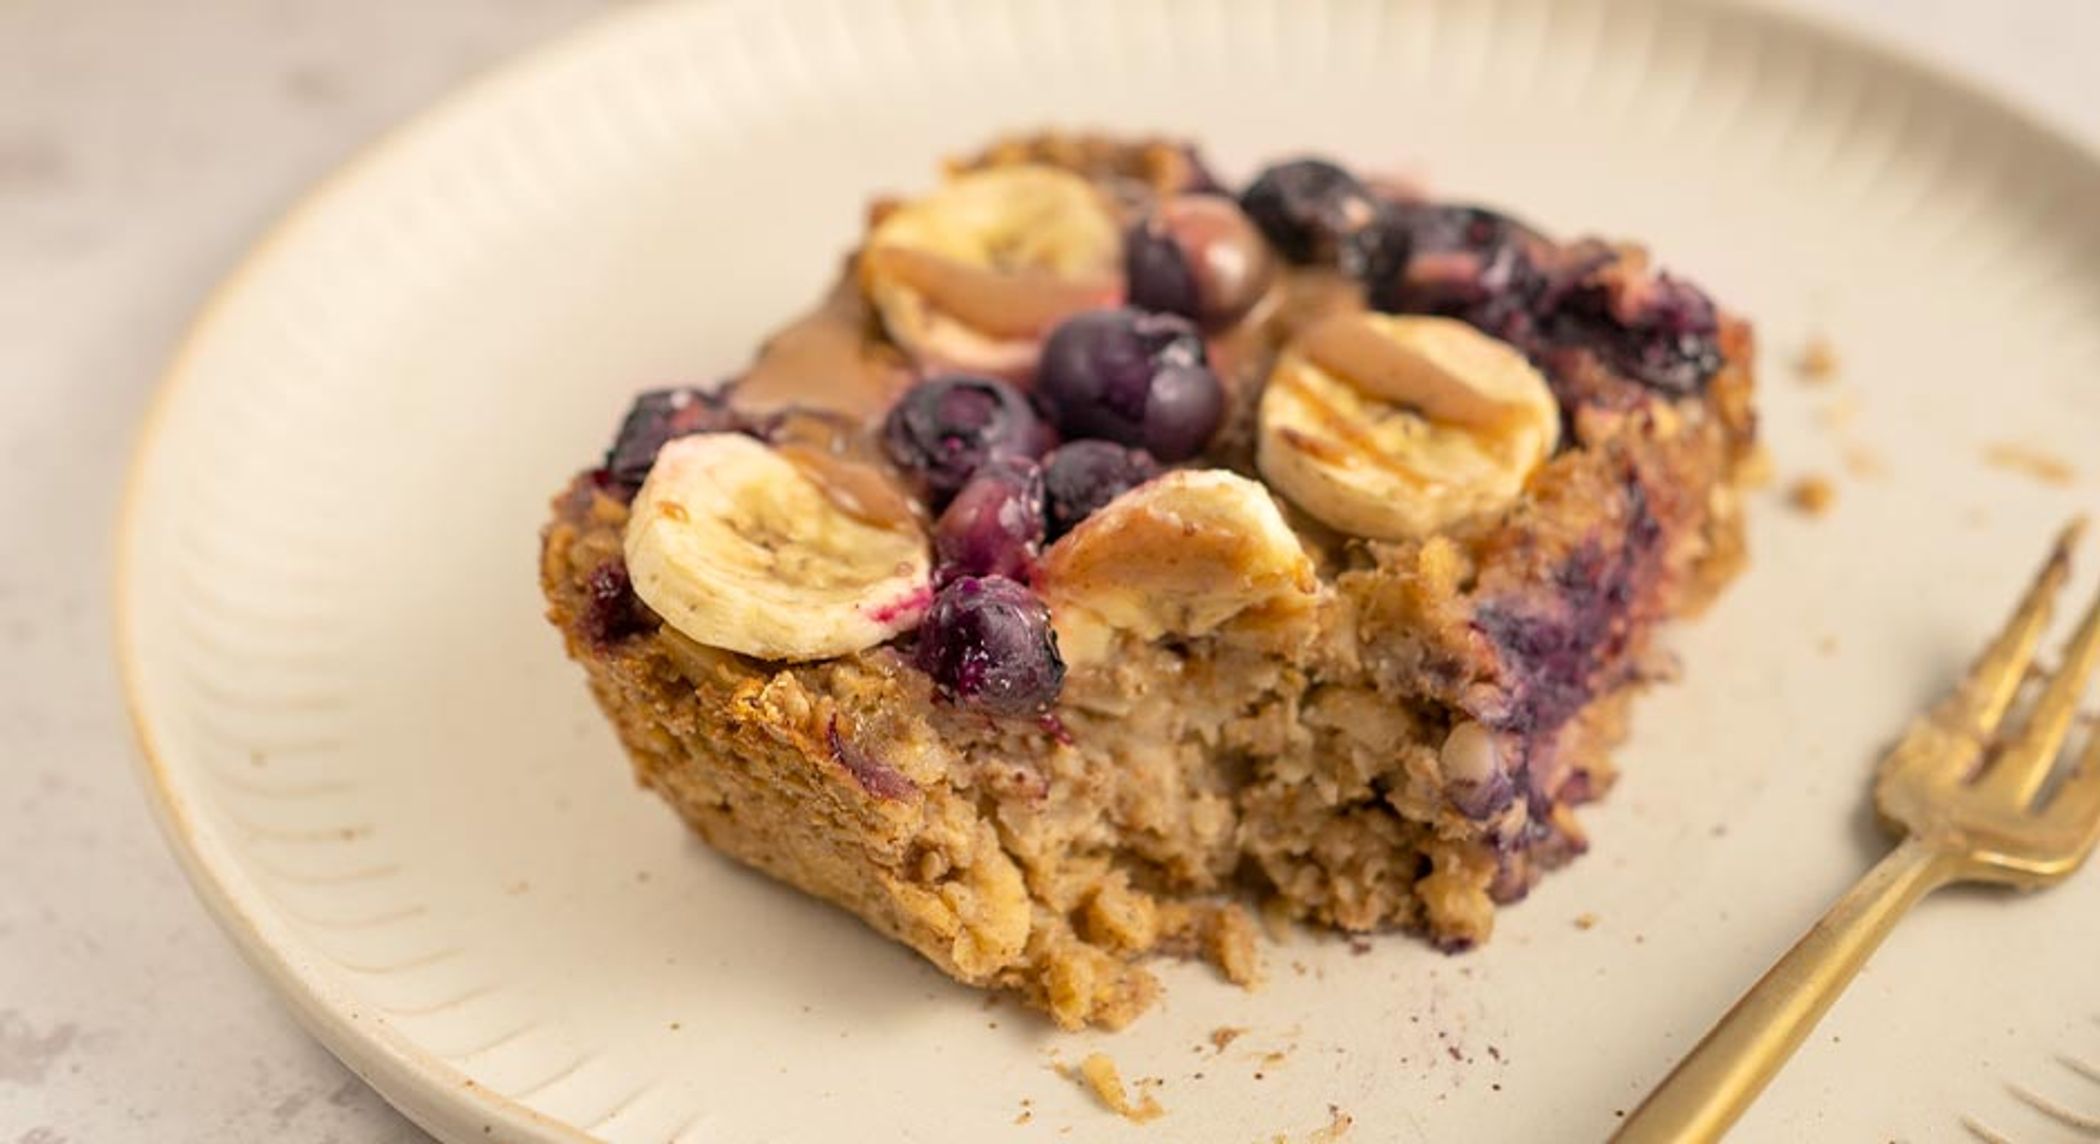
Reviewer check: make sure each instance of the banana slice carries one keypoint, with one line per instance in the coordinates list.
(974, 275)
(1184, 554)
(738, 547)
(1393, 427)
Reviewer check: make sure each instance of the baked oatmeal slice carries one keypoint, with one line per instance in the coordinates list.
(1107, 552)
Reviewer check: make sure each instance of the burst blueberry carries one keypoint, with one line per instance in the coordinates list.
(1660, 331)
(611, 610)
(994, 526)
(942, 430)
(655, 418)
(987, 644)
(1463, 262)
(1133, 378)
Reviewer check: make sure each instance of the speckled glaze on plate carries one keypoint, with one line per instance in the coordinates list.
(387, 782)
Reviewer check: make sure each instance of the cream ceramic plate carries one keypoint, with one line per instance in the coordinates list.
(393, 790)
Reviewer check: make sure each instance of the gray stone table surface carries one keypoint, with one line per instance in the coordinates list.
(143, 144)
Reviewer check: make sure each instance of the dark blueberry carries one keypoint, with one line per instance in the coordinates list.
(611, 610)
(1080, 477)
(1197, 256)
(657, 417)
(988, 645)
(1660, 331)
(1133, 378)
(942, 430)
(1316, 212)
(1463, 262)
(1437, 227)
(1379, 252)
(1158, 271)
(994, 526)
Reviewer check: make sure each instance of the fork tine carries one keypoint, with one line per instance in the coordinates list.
(2024, 765)
(1941, 746)
(2076, 808)
(1979, 701)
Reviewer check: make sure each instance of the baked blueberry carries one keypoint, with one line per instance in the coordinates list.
(994, 526)
(988, 645)
(1197, 256)
(1133, 378)
(657, 417)
(941, 430)
(1314, 211)
(1080, 477)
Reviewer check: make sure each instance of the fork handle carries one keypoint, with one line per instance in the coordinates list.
(1712, 1086)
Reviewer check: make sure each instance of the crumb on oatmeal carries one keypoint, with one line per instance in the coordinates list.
(1812, 494)
(1106, 1082)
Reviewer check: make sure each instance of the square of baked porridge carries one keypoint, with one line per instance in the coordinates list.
(1108, 551)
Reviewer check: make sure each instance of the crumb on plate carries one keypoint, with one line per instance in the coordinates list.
(1818, 361)
(1101, 1076)
(1838, 414)
(1585, 921)
(1338, 1125)
(2029, 461)
(1812, 494)
(1863, 462)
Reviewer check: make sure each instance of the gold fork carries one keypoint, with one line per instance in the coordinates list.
(1965, 802)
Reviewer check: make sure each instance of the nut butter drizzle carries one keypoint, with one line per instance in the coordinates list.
(836, 358)
(832, 358)
(1024, 302)
(1354, 350)
(863, 490)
